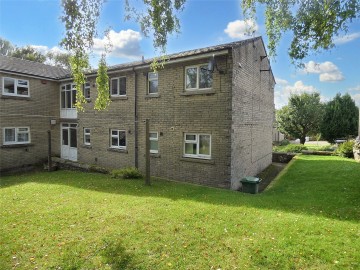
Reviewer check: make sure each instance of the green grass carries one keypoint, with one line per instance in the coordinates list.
(307, 219)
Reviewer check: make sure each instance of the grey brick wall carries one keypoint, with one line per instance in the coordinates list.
(34, 112)
(252, 112)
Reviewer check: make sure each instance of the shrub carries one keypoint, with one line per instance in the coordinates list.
(284, 142)
(326, 148)
(295, 148)
(346, 149)
(126, 173)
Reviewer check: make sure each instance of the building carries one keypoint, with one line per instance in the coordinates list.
(210, 110)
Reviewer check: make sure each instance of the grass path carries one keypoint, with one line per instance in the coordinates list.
(307, 219)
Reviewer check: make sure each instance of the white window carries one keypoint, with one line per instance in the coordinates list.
(118, 86)
(197, 145)
(153, 83)
(118, 139)
(68, 96)
(16, 135)
(154, 142)
(198, 77)
(87, 132)
(86, 89)
(15, 87)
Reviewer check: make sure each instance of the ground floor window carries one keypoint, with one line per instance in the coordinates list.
(118, 138)
(154, 142)
(16, 135)
(197, 145)
(87, 132)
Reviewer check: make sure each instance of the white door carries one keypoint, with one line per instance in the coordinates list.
(69, 141)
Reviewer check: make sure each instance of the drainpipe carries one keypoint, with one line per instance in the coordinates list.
(136, 121)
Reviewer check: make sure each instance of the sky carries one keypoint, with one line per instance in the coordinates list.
(203, 23)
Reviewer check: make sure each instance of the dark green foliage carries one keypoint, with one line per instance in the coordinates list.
(301, 117)
(340, 118)
(284, 142)
(345, 149)
(126, 173)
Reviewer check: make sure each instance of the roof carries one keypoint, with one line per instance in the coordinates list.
(186, 53)
(20, 66)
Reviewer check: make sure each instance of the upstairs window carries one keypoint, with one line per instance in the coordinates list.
(118, 86)
(153, 83)
(86, 89)
(198, 78)
(197, 145)
(118, 139)
(15, 87)
(68, 96)
(16, 135)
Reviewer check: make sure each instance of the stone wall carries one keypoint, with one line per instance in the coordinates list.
(252, 111)
(35, 112)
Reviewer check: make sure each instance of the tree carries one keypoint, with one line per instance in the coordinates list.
(340, 118)
(6, 48)
(314, 24)
(59, 59)
(28, 53)
(301, 117)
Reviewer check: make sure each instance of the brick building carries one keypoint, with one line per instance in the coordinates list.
(210, 110)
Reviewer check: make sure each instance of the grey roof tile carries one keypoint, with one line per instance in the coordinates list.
(20, 66)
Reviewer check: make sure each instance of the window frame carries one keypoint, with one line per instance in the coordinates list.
(118, 86)
(17, 132)
(197, 88)
(150, 80)
(71, 93)
(154, 139)
(16, 85)
(197, 142)
(87, 85)
(87, 134)
(118, 137)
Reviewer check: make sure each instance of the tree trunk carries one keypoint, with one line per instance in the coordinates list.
(302, 139)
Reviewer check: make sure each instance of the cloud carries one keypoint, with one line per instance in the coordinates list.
(241, 29)
(356, 97)
(283, 92)
(346, 38)
(125, 43)
(328, 71)
(45, 49)
(356, 88)
(281, 81)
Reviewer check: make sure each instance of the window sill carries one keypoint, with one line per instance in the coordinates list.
(152, 96)
(117, 150)
(15, 97)
(197, 160)
(118, 97)
(198, 92)
(23, 145)
(86, 146)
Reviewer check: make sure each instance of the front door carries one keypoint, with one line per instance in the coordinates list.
(69, 141)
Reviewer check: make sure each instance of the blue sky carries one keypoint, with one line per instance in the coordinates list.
(203, 23)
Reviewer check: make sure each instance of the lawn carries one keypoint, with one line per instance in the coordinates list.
(308, 218)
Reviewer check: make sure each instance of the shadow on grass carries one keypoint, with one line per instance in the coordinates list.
(314, 185)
